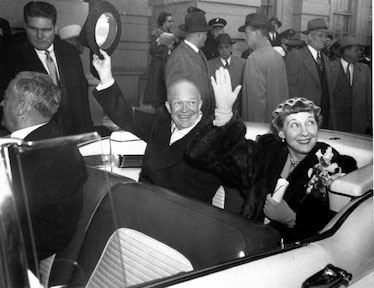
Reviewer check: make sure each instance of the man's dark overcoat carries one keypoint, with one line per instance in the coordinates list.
(163, 164)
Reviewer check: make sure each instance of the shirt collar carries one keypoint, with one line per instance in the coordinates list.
(313, 51)
(345, 64)
(193, 46)
(22, 133)
(223, 61)
(177, 134)
(42, 52)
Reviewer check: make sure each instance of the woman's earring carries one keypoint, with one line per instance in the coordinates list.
(282, 140)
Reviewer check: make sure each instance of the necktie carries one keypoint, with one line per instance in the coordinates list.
(226, 64)
(348, 74)
(51, 67)
(319, 61)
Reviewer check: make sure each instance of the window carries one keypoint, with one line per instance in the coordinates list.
(342, 18)
(268, 7)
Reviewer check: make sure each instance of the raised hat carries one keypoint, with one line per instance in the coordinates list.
(69, 31)
(255, 20)
(195, 22)
(350, 41)
(316, 24)
(217, 22)
(225, 38)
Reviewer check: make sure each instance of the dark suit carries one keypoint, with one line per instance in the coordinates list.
(163, 164)
(236, 70)
(353, 104)
(74, 113)
(276, 41)
(185, 63)
(54, 178)
(304, 79)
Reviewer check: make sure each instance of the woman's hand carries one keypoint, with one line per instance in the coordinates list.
(103, 67)
(279, 211)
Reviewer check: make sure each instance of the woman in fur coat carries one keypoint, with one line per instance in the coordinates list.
(290, 152)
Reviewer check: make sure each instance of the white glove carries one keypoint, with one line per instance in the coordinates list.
(225, 97)
(103, 68)
(280, 50)
(279, 211)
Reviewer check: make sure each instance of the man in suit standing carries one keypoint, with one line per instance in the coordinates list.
(53, 176)
(264, 80)
(217, 27)
(39, 50)
(274, 37)
(233, 64)
(351, 81)
(188, 62)
(309, 74)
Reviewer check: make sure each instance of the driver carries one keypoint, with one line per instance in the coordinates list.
(167, 136)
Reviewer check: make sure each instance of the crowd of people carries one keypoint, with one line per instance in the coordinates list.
(202, 94)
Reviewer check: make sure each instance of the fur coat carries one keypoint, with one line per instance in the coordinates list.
(254, 167)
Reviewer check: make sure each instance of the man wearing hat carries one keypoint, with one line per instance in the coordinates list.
(308, 71)
(264, 80)
(274, 37)
(233, 64)
(188, 62)
(351, 82)
(217, 27)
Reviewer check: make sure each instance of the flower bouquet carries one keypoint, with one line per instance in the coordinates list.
(322, 174)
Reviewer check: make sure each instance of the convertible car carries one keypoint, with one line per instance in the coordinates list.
(137, 234)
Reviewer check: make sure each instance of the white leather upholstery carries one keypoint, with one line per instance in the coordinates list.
(219, 198)
(45, 266)
(131, 257)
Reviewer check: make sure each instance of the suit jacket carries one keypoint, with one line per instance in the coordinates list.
(236, 70)
(277, 41)
(73, 115)
(54, 179)
(304, 81)
(264, 84)
(355, 100)
(163, 164)
(185, 63)
(255, 167)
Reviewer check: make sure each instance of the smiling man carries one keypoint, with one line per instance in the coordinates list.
(167, 137)
(39, 50)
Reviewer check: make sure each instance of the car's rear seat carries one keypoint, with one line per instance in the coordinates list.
(192, 228)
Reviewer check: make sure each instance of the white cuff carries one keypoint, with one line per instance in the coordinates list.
(221, 117)
(105, 85)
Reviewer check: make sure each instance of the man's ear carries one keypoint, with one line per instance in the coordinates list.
(21, 108)
(167, 105)
(200, 105)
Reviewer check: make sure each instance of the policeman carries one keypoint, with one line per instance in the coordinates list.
(217, 26)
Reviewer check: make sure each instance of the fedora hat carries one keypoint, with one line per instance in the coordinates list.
(257, 20)
(225, 38)
(195, 22)
(350, 41)
(192, 9)
(316, 24)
